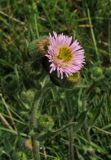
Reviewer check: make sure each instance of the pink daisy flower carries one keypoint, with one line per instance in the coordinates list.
(65, 55)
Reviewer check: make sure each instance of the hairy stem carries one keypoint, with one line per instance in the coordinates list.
(33, 126)
(71, 141)
(38, 100)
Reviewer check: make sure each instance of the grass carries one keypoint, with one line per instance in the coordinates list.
(71, 124)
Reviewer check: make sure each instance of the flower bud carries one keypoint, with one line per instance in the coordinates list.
(108, 72)
(38, 48)
(46, 122)
(66, 82)
(74, 78)
(10, 84)
(27, 96)
(42, 45)
(32, 71)
(97, 73)
(28, 144)
(21, 155)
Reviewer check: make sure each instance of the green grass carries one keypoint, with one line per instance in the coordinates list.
(72, 124)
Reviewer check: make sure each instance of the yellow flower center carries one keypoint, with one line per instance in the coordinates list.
(65, 54)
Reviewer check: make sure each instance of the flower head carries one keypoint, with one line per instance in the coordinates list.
(65, 55)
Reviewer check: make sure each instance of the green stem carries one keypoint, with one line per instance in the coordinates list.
(71, 129)
(38, 99)
(35, 145)
(33, 126)
(71, 141)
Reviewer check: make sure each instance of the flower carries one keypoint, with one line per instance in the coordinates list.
(65, 55)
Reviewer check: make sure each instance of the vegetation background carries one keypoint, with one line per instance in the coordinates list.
(72, 124)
